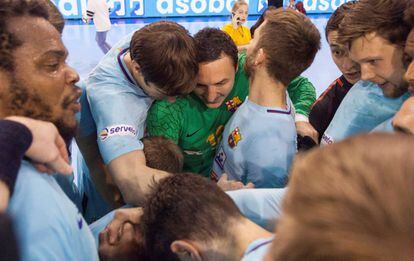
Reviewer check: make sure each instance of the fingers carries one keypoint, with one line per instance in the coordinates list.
(235, 185)
(61, 145)
(60, 166)
(42, 168)
(249, 185)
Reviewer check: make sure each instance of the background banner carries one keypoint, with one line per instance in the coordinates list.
(73, 9)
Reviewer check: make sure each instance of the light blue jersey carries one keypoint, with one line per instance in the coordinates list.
(117, 104)
(257, 250)
(262, 206)
(48, 225)
(258, 146)
(386, 126)
(363, 108)
(93, 204)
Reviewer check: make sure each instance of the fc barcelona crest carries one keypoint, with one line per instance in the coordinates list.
(233, 104)
(234, 137)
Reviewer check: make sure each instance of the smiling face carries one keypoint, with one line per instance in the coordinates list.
(215, 81)
(42, 84)
(381, 62)
(340, 56)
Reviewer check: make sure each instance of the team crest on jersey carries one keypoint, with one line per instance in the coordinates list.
(233, 104)
(214, 176)
(220, 158)
(234, 138)
(215, 138)
(117, 130)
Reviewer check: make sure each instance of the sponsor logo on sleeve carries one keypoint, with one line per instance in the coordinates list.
(326, 139)
(117, 130)
(220, 158)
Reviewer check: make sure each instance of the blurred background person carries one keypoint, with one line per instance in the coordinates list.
(238, 32)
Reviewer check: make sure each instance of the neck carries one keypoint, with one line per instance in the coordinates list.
(265, 91)
(245, 233)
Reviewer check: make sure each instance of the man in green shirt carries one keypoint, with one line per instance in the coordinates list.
(196, 122)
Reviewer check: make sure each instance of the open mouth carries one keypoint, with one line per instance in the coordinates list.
(73, 103)
(353, 75)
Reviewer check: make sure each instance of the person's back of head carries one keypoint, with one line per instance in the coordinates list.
(163, 154)
(212, 44)
(383, 17)
(350, 201)
(187, 207)
(290, 41)
(261, 19)
(166, 55)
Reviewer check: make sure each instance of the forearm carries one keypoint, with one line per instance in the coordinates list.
(15, 139)
(133, 178)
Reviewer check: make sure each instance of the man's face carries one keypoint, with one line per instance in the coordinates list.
(340, 56)
(42, 85)
(215, 81)
(404, 119)
(381, 63)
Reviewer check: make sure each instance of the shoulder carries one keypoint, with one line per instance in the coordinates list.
(164, 111)
(228, 28)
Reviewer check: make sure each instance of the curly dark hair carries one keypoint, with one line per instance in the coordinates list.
(8, 41)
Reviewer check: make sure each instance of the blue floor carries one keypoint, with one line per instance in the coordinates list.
(84, 54)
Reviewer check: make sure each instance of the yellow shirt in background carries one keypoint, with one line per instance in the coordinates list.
(240, 35)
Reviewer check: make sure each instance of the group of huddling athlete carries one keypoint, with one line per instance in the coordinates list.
(196, 147)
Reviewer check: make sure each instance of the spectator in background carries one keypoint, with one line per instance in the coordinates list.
(296, 6)
(323, 110)
(275, 3)
(238, 32)
(99, 11)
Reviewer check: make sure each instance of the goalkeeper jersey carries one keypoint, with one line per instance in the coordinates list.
(197, 129)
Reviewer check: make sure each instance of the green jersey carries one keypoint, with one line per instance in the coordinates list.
(196, 128)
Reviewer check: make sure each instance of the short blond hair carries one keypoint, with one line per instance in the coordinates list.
(237, 5)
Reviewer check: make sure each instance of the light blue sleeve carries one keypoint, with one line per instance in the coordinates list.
(386, 126)
(48, 225)
(262, 206)
(119, 117)
(362, 109)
